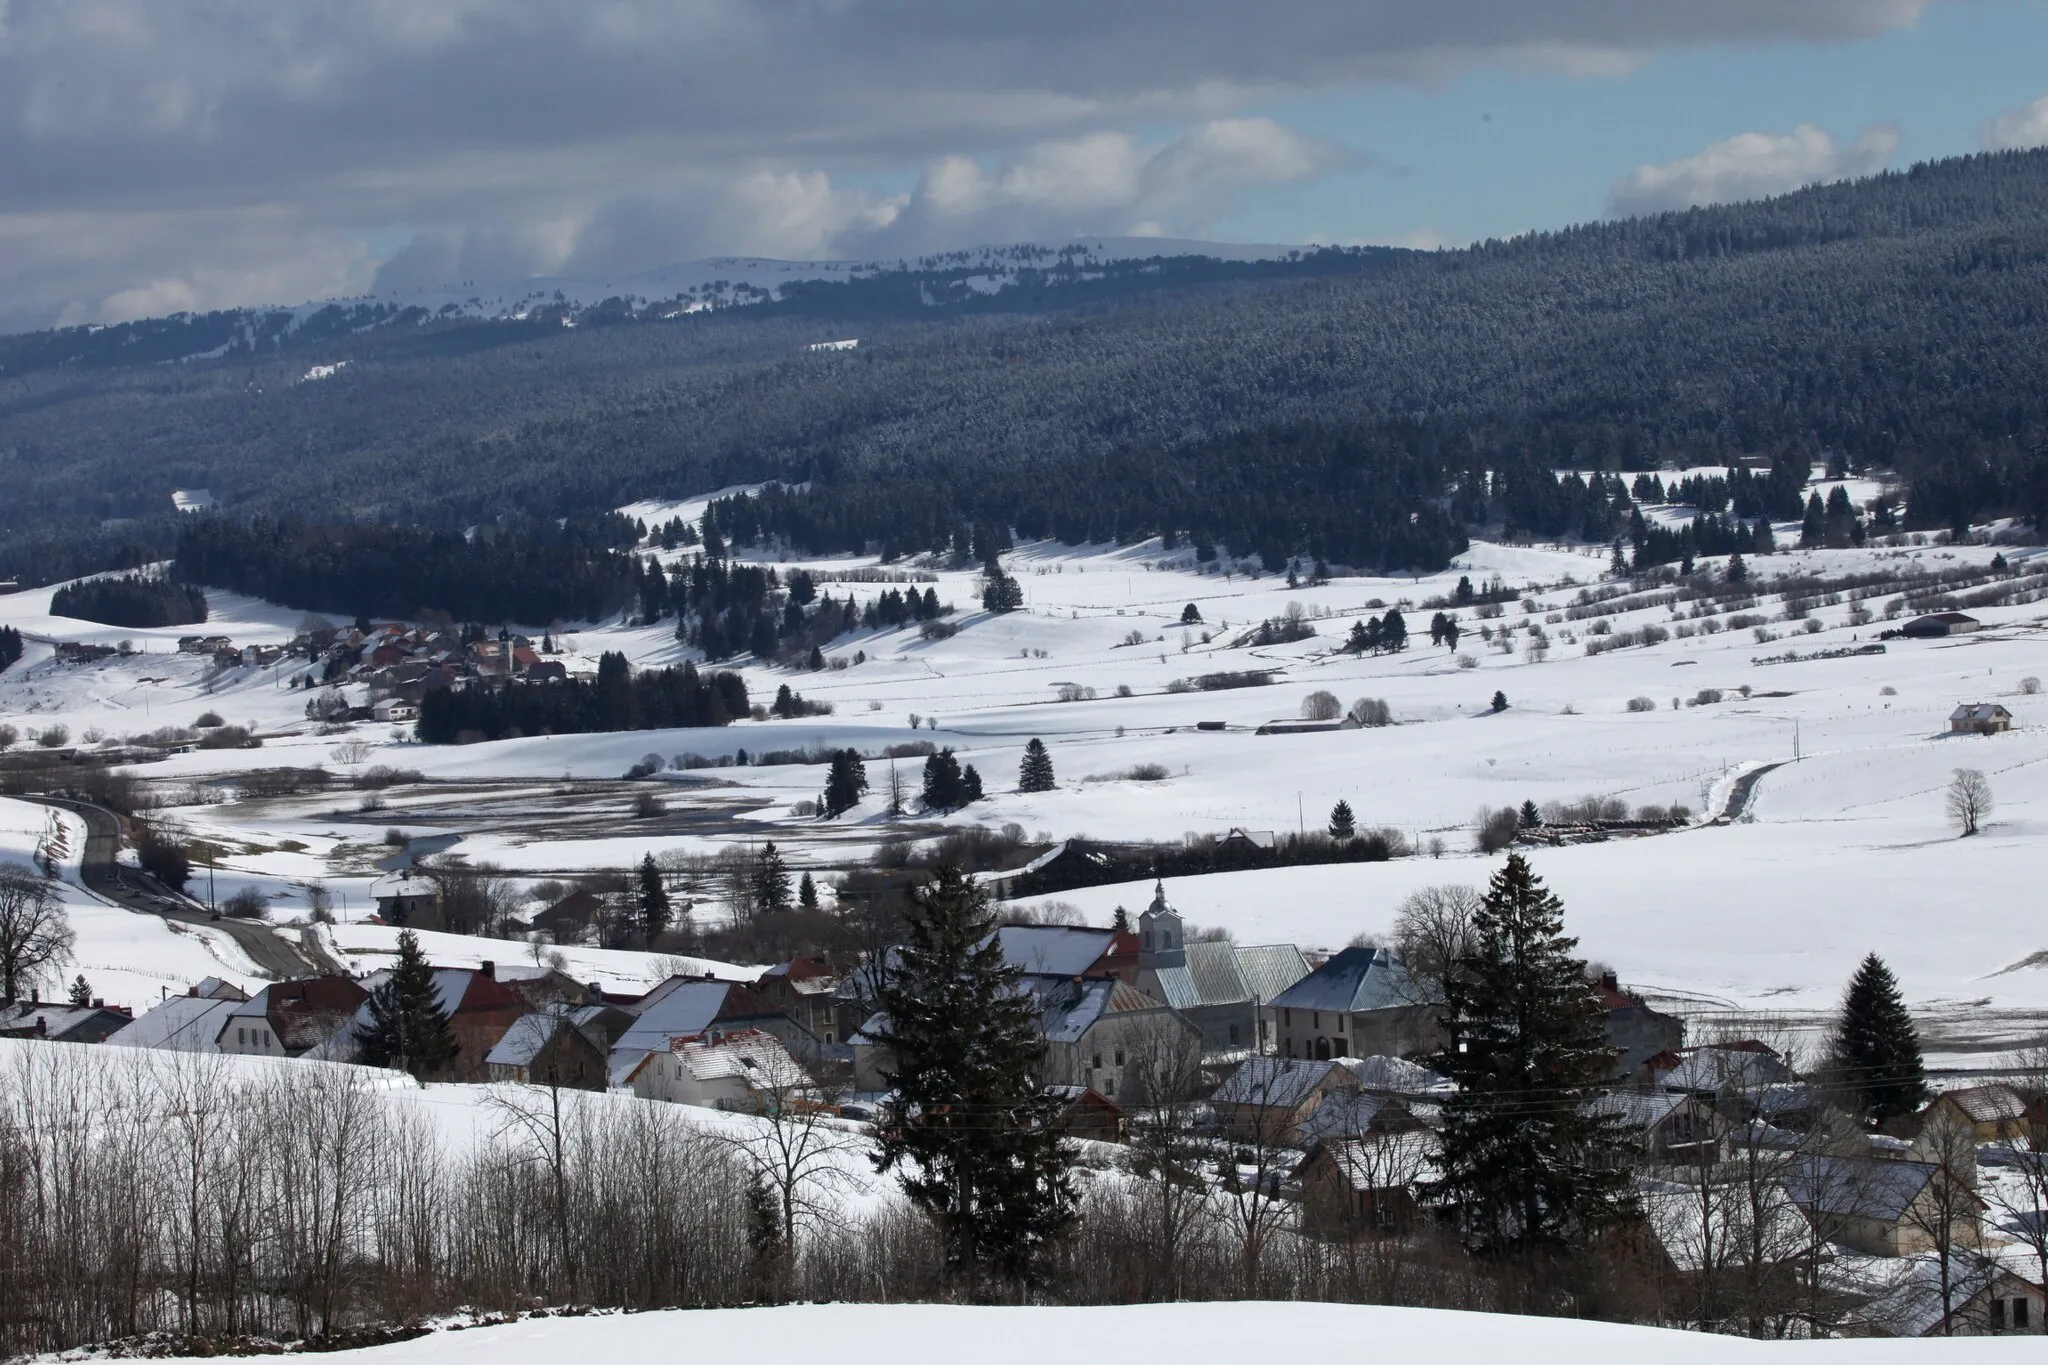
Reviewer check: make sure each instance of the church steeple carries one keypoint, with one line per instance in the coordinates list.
(1161, 938)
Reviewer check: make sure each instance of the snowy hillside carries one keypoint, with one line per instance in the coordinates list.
(1843, 852)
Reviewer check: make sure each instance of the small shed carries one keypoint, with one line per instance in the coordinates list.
(1939, 624)
(1979, 718)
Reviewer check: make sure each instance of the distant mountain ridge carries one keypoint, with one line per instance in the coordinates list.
(968, 276)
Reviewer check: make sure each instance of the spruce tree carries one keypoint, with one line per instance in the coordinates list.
(406, 1028)
(652, 901)
(1034, 774)
(941, 789)
(1526, 1160)
(970, 1129)
(1738, 572)
(771, 880)
(846, 783)
(1875, 1052)
(1342, 823)
(81, 991)
(1531, 817)
(807, 893)
(970, 785)
(1500, 701)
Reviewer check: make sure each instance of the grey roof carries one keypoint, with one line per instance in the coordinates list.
(183, 1023)
(1268, 1081)
(677, 1008)
(1270, 968)
(1047, 950)
(1355, 979)
(1177, 987)
(1344, 1116)
(1212, 970)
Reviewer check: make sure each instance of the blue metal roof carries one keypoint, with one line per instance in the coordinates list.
(1355, 979)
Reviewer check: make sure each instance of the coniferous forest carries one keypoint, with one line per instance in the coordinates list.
(1366, 409)
(618, 698)
(131, 600)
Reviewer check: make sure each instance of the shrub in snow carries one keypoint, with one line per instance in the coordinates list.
(2030, 686)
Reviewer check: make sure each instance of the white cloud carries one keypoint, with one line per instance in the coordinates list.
(2015, 129)
(1752, 165)
(553, 132)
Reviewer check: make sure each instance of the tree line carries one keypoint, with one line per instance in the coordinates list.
(617, 698)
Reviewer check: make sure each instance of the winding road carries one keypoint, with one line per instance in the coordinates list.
(101, 871)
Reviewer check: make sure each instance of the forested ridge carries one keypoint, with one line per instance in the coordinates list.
(1900, 321)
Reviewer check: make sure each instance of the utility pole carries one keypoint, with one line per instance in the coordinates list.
(1795, 741)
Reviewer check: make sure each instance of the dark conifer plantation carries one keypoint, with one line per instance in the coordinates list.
(1527, 1161)
(135, 600)
(406, 1028)
(10, 646)
(968, 1129)
(617, 699)
(1875, 1053)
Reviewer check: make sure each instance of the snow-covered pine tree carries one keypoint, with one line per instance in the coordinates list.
(1875, 1053)
(1527, 1158)
(1034, 774)
(970, 1130)
(406, 1028)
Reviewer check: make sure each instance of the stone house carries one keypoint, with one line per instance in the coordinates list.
(1360, 1003)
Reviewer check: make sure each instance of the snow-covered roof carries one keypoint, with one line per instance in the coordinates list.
(1705, 1070)
(183, 1023)
(400, 884)
(1980, 711)
(1269, 1081)
(1395, 1075)
(750, 1055)
(1857, 1187)
(524, 1041)
(1050, 950)
(1386, 1161)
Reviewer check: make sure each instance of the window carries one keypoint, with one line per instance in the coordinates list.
(1233, 1035)
(1998, 1315)
(2019, 1314)
(241, 1037)
(1119, 1056)
(1318, 1017)
(1095, 1062)
(1109, 1086)
(1338, 1027)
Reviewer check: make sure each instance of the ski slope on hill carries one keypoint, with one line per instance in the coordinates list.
(1843, 852)
(1196, 1333)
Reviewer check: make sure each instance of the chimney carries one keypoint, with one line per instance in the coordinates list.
(489, 969)
(42, 1026)
(1609, 980)
(597, 992)
(98, 1003)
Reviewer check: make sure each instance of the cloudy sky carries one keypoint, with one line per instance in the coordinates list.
(157, 155)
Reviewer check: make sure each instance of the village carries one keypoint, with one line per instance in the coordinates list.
(1304, 1073)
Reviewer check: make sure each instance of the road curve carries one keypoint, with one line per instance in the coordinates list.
(101, 871)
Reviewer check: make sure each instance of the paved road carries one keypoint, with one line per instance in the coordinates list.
(1744, 787)
(104, 875)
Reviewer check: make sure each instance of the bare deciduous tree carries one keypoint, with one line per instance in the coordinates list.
(1432, 935)
(1321, 705)
(1969, 799)
(35, 931)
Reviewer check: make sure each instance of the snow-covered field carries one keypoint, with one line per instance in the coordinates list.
(1197, 1333)
(1844, 852)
